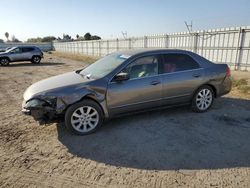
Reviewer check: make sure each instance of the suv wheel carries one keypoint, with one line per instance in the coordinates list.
(4, 61)
(84, 117)
(203, 99)
(36, 59)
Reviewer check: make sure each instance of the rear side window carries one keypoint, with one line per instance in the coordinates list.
(177, 62)
(27, 49)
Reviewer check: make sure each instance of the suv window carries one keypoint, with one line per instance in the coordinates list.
(16, 50)
(27, 49)
(178, 62)
(143, 67)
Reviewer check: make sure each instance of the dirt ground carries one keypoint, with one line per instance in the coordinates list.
(167, 148)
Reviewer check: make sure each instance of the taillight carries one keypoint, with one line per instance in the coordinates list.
(228, 71)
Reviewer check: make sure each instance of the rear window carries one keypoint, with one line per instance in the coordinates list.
(27, 49)
(178, 62)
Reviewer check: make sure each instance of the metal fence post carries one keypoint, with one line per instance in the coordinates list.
(239, 52)
(166, 41)
(129, 43)
(145, 40)
(196, 35)
(117, 44)
(87, 48)
(202, 44)
(100, 48)
(107, 47)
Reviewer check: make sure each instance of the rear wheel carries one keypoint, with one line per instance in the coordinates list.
(203, 99)
(84, 117)
(4, 61)
(36, 59)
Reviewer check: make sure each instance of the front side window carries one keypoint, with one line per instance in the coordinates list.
(178, 62)
(16, 50)
(143, 67)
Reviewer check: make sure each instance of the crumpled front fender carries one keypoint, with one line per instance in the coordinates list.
(63, 102)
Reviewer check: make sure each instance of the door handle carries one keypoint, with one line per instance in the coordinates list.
(196, 75)
(155, 82)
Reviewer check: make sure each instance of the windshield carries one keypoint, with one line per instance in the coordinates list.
(10, 49)
(104, 66)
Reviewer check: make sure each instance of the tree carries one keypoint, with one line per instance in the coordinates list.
(48, 39)
(66, 37)
(95, 37)
(32, 40)
(14, 39)
(7, 35)
(77, 36)
(1, 41)
(87, 36)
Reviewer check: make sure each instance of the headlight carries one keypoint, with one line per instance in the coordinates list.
(33, 103)
(41, 101)
(51, 100)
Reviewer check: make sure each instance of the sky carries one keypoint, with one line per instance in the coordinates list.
(109, 18)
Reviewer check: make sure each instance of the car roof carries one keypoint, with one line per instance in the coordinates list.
(150, 50)
(24, 46)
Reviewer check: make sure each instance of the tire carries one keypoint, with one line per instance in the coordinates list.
(78, 117)
(4, 61)
(36, 59)
(203, 99)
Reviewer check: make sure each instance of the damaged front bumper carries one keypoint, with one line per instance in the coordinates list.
(40, 110)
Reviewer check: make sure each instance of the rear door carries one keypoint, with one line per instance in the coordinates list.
(142, 90)
(181, 77)
(27, 53)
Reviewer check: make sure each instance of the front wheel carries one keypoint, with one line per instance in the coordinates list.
(84, 117)
(203, 99)
(36, 59)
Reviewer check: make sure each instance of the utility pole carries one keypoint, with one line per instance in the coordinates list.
(189, 26)
(124, 34)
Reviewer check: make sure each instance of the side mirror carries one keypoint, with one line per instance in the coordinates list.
(122, 76)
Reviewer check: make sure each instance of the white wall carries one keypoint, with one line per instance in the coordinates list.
(45, 46)
(225, 45)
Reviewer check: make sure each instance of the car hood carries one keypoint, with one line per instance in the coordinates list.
(54, 82)
(3, 53)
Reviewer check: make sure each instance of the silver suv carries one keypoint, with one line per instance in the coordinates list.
(21, 53)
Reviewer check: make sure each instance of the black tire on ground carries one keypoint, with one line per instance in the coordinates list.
(199, 97)
(73, 108)
(36, 59)
(4, 61)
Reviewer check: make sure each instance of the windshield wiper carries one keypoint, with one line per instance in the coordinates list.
(78, 71)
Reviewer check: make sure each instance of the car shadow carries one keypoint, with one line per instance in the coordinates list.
(170, 139)
(28, 64)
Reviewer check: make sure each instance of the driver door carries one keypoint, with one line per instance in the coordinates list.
(142, 90)
(16, 54)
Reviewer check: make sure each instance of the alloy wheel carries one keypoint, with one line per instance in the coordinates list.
(4, 61)
(36, 59)
(84, 119)
(204, 99)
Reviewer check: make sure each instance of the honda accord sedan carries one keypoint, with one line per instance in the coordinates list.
(126, 82)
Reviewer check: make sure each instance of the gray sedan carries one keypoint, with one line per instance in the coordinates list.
(126, 82)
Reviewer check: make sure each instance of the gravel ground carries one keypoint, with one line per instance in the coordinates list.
(167, 148)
